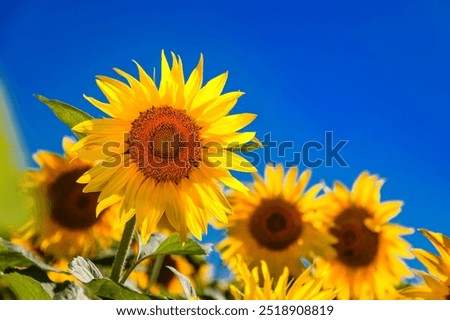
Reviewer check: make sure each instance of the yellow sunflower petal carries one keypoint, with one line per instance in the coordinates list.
(211, 90)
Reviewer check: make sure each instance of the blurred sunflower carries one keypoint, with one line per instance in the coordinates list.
(164, 149)
(437, 282)
(64, 222)
(369, 261)
(276, 222)
(167, 282)
(305, 287)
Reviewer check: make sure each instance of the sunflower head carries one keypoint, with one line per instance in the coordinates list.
(64, 221)
(165, 148)
(436, 284)
(277, 221)
(368, 264)
(255, 287)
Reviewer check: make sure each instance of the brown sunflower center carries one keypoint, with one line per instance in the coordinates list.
(276, 224)
(165, 143)
(357, 245)
(70, 206)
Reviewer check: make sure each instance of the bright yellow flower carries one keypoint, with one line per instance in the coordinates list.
(64, 222)
(369, 261)
(276, 222)
(164, 149)
(305, 287)
(437, 281)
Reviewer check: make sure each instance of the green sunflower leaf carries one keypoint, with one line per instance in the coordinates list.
(15, 256)
(84, 269)
(108, 289)
(146, 250)
(23, 287)
(160, 244)
(173, 245)
(69, 291)
(68, 114)
(188, 288)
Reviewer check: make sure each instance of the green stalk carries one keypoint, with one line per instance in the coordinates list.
(156, 268)
(122, 252)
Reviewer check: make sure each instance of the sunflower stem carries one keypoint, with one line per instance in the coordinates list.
(122, 252)
(156, 269)
(133, 263)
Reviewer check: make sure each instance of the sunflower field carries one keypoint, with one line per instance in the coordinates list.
(123, 212)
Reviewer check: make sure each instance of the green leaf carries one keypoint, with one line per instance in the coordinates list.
(13, 260)
(160, 244)
(84, 269)
(188, 288)
(23, 287)
(151, 246)
(68, 114)
(69, 291)
(108, 289)
(173, 245)
(34, 272)
(19, 257)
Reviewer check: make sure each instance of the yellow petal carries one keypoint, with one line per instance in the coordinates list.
(211, 90)
(136, 86)
(174, 213)
(166, 86)
(103, 126)
(112, 110)
(150, 89)
(229, 124)
(193, 83)
(107, 202)
(227, 160)
(388, 210)
(431, 262)
(217, 108)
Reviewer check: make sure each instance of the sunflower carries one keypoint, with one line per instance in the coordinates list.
(164, 149)
(305, 287)
(64, 223)
(437, 281)
(369, 261)
(276, 222)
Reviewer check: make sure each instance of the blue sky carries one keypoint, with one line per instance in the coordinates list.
(375, 74)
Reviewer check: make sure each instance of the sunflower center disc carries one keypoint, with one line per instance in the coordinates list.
(276, 224)
(165, 144)
(70, 207)
(357, 245)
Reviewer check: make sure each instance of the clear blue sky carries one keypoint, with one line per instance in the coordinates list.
(374, 74)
